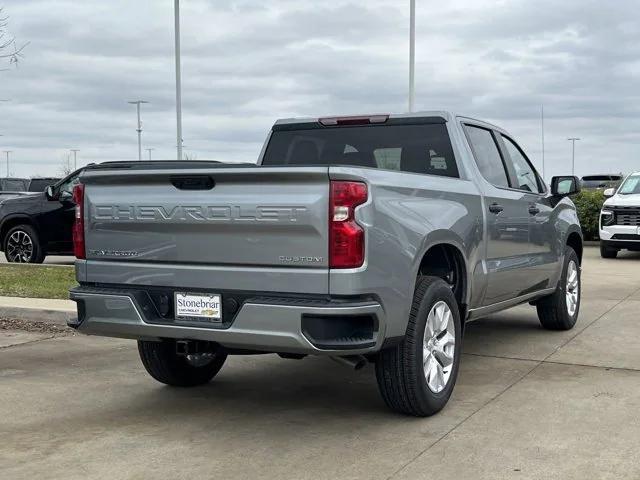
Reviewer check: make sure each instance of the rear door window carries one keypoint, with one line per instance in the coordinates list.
(424, 149)
(487, 155)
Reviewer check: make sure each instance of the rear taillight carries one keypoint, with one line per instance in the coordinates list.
(78, 224)
(346, 237)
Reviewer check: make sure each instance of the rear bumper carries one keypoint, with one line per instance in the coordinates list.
(283, 325)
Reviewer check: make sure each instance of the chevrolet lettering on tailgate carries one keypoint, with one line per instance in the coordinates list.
(211, 213)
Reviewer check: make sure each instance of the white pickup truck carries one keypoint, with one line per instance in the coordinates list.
(620, 218)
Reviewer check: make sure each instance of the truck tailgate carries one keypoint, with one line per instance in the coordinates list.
(251, 228)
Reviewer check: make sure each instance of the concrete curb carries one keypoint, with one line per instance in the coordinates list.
(38, 309)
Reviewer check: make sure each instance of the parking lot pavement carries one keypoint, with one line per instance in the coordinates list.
(528, 404)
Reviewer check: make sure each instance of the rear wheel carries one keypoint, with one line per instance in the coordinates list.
(560, 310)
(417, 376)
(22, 245)
(163, 363)
(608, 252)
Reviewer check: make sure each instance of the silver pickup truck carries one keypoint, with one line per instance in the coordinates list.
(365, 239)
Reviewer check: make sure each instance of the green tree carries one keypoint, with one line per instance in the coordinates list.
(589, 203)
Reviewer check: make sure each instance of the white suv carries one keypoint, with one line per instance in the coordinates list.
(620, 218)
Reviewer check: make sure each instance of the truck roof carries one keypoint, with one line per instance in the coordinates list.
(447, 116)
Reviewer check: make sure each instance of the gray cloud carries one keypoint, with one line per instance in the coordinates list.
(246, 63)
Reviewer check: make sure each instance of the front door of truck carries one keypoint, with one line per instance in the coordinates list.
(543, 246)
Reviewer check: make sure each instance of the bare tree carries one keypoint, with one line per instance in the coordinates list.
(65, 165)
(10, 51)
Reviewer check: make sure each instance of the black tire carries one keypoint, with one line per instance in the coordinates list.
(553, 312)
(399, 369)
(163, 363)
(608, 252)
(36, 254)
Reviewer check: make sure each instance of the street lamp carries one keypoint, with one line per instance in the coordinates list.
(412, 52)
(75, 160)
(139, 129)
(573, 154)
(542, 131)
(7, 152)
(176, 14)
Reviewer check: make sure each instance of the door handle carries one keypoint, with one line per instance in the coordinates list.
(193, 182)
(533, 210)
(495, 208)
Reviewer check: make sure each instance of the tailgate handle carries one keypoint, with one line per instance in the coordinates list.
(193, 182)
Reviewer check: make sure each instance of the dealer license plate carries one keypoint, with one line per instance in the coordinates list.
(198, 305)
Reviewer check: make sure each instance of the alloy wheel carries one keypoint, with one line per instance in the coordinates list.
(573, 288)
(20, 247)
(438, 347)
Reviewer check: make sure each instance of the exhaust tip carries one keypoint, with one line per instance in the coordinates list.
(356, 362)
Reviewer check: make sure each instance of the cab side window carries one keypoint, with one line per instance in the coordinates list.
(526, 176)
(67, 187)
(487, 155)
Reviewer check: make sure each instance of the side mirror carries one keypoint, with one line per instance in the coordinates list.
(49, 193)
(564, 186)
(609, 192)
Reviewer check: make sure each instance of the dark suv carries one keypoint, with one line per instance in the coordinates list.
(36, 225)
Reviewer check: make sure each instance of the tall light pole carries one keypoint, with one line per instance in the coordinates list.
(542, 130)
(412, 52)
(149, 150)
(7, 152)
(573, 154)
(176, 8)
(139, 129)
(75, 158)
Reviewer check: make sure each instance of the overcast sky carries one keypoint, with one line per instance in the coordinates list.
(248, 62)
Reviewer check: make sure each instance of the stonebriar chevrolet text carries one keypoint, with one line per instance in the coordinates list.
(366, 239)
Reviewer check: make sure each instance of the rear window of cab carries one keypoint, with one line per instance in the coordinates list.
(423, 148)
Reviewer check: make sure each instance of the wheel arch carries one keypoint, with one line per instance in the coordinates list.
(574, 240)
(444, 258)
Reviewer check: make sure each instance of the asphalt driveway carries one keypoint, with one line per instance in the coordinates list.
(528, 404)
